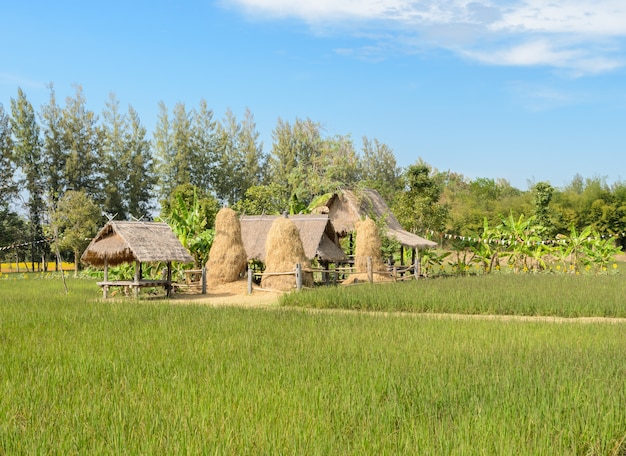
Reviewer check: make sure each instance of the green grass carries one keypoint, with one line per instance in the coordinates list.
(80, 376)
(543, 294)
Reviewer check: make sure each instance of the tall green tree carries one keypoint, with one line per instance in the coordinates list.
(115, 158)
(241, 158)
(141, 181)
(54, 152)
(27, 152)
(334, 166)
(82, 142)
(417, 207)
(542, 196)
(174, 148)
(8, 186)
(291, 155)
(204, 138)
(379, 169)
(129, 166)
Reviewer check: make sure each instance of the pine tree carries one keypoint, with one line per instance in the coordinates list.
(27, 152)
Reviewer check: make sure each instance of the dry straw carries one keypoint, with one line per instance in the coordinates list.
(368, 245)
(283, 249)
(227, 257)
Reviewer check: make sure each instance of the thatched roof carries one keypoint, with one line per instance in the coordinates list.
(348, 207)
(316, 231)
(124, 242)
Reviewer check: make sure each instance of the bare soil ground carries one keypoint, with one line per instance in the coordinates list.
(230, 294)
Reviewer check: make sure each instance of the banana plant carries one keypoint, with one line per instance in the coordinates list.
(190, 227)
(524, 236)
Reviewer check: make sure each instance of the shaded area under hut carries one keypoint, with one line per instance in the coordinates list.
(347, 207)
(139, 242)
(318, 236)
(317, 233)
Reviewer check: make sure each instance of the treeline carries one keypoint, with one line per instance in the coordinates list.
(65, 164)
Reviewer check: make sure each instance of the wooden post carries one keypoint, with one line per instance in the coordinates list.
(416, 265)
(395, 274)
(370, 272)
(203, 280)
(401, 255)
(249, 280)
(105, 288)
(168, 287)
(298, 277)
(137, 278)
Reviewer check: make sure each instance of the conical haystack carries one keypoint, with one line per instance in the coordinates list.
(227, 257)
(283, 249)
(368, 244)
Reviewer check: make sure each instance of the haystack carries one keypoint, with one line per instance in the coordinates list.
(283, 249)
(368, 245)
(227, 257)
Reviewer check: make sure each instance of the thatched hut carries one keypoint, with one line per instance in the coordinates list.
(139, 242)
(283, 250)
(227, 257)
(347, 207)
(317, 234)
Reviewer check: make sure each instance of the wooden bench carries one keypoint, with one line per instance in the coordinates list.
(135, 285)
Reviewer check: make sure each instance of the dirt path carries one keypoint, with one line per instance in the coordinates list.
(235, 295)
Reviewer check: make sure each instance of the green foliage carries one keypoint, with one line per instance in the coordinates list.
(263, 199)
(189, 223)
(76, 218)
(418, 208)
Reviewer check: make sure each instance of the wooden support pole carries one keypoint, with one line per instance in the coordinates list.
(105, 289)
(249, 280)
(137, 277)
(203, 279)
(168, 287)
(370, 272)
(298, 276)
(416, 265)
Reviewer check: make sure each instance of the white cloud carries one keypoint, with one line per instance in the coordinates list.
(583, 36)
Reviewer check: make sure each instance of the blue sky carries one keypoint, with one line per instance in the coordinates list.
(527, 91)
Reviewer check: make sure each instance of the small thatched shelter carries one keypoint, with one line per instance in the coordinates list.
(349, 206)
(140, 242)
(284, 250)
(317, 233)
(227, 257)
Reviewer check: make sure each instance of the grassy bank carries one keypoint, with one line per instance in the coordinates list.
(543, 294)
(86, 377)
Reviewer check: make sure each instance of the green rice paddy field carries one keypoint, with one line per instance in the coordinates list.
(83, 376)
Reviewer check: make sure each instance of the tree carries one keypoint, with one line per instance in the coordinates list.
(204, 138)
(242, 163)
(417, 207)
(8, 187)
(82, 143)
(141, 181)
(116, 166)
(379, 169)
(76, 218)
(27, 152)
(54, 153)
(129, 166)
(263, 199)
(333, 166)
(542, 195)
(291, 155)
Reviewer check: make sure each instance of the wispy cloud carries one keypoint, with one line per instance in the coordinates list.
(581, 36)
(13, 80)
